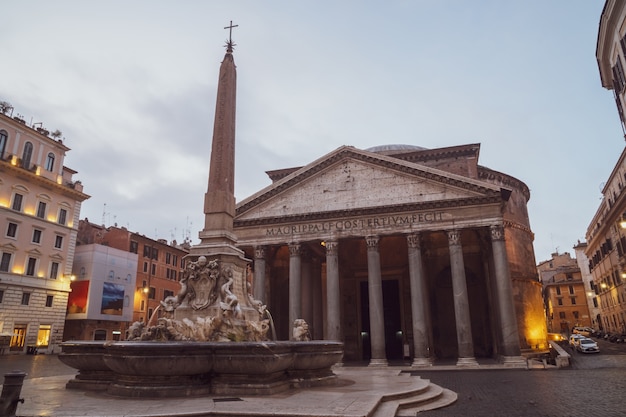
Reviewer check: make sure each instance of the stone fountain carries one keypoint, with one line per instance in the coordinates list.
(212, 337)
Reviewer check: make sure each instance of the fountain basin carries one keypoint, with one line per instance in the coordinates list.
(181, 369)
(88, 358)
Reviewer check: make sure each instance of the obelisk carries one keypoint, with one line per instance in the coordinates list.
(217, 239)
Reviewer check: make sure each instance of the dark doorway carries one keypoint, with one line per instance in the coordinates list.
(392, 317)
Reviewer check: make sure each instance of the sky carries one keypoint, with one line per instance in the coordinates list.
(132, 86)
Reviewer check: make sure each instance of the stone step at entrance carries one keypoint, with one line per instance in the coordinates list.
(420, 396)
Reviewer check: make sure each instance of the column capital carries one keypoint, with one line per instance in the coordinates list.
(260, 252)
(454, 237)
(332, 247)
(497, 232)
(372, 242)
(295, 249)
(414, 240)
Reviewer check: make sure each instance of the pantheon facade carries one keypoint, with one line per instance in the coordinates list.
(400, 252)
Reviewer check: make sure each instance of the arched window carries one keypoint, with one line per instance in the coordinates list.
(3, 142)
(27, 155)
(50, 162)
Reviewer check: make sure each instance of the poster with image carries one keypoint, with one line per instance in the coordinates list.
(112, 299)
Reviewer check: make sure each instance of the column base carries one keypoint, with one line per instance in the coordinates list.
(514, 361)
(421, 362)
(467, 363)
(378, 363)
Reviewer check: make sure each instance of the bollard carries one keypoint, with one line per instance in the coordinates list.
(11, 390)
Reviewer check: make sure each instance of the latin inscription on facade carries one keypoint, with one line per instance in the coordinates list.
(368, 223)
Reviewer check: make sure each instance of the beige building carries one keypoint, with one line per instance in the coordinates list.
(39, 211)
(398, 251)
(606, 250)
(611, 53)
(564, 293)
(606, 237)
(593, 303)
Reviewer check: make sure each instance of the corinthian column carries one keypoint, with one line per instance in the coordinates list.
(419, 302)
(504, 299)
(260, 253)
(333, 300)
(295, 283)
(461, 301)
(375, 290)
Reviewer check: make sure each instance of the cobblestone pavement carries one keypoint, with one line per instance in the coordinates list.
(593, 386)
(538, 393)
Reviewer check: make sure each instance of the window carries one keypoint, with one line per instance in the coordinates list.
(17, 202)
(49, 299)
(155, 253)
(50, 162)
(575, 313)
(562, 314)
(153, 269)
(152, 293)
(25, 298)
(560, 301)
(1, 295)
(54, 270)
(145, 267)
(167, 293)
(134, 246)
(12, 230)
(41, 210)
(573, 299)
(36, 236)
(43, 335)
(83, 272)
(558, 290)
(62, 216)
(571, 289)
(27, 155)
(19, 337)
(5, 264)
(100, 334)
(58, 242)
(30, 267)
(3, 142)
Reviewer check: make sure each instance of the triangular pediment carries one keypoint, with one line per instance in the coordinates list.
(354, 179)
(9, 247)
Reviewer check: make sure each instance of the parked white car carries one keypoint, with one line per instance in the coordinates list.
(587, 345)
(573, 339)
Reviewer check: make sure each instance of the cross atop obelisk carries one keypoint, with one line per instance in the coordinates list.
(217, 237)
(229, 42)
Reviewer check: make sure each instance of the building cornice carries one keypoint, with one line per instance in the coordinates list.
(607, 28)
(67, 189)
(488, 174)
(21, 126)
